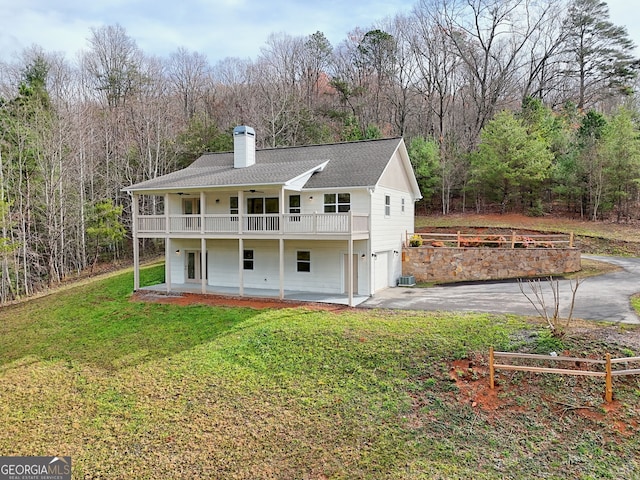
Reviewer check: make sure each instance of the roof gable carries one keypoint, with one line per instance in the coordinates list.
(399, 174)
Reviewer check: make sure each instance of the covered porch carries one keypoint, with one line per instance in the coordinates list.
(293, 295)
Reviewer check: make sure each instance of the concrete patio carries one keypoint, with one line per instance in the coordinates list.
(298, 296)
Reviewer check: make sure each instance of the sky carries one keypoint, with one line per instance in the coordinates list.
(215, 28)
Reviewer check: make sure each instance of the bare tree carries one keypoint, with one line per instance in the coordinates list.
(113, 64)
(317, 55)
(489, 37)
(189, 75)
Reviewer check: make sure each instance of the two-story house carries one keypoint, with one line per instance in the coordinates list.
(325, 219)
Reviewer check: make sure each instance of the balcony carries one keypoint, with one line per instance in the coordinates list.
(271, 224)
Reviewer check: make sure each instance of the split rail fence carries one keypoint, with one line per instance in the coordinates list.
(608, 364)
(514, 240)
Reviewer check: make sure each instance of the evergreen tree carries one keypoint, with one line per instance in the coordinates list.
(600, 54)
(510, 165)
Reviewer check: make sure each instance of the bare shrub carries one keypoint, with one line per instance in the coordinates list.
(537, 299)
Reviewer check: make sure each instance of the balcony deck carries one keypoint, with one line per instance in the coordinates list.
(314, 224)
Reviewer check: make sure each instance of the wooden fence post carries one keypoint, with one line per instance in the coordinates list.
(491, 370)
(458, 238)
(608, 393)
(513, 239)
(571, 240)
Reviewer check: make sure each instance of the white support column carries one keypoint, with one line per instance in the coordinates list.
(281, 268)
(240, 211)
(241, 267)
(167, 263)
(167, 226)
(136, 242)
(202, 209)
(281, 212)
(350, 269)
(203, 264)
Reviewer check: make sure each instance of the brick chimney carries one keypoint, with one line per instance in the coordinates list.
(244, 147)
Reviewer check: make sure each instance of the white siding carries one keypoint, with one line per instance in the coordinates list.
(388, 232)
(178, 259)
(313, 201)
(327, 269)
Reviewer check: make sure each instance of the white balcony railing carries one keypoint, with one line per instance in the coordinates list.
(292, 223)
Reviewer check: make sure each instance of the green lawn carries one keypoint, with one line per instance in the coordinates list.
(136, 390)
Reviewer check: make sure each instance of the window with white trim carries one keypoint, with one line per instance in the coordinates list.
(337, 202)
(303, 261)
(387, 205)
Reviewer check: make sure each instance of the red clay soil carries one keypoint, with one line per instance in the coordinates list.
(230, 301)
(471, 377)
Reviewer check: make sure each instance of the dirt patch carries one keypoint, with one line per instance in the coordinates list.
(471, 378)
(230, 301)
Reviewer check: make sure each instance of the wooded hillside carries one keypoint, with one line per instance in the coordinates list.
(508, 105)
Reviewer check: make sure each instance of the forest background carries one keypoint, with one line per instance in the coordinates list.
(505, 105)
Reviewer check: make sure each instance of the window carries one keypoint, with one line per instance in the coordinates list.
(294, 207)
(402, 205)
(387, 205)
(247, 256)
(233, 208)
(337, 202)
(303, 261)
(191, 206)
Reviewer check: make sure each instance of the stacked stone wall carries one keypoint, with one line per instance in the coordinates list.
(443, 264)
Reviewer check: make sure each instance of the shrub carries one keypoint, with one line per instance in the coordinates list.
(415, 241)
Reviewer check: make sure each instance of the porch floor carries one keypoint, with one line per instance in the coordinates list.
(334, 298)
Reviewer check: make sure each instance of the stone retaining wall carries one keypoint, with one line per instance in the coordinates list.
(443, 264)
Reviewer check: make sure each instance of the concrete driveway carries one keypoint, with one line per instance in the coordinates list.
(604, 297)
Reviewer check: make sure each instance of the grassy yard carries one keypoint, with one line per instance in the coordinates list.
(141, 390)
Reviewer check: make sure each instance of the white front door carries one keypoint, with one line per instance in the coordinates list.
(381, 270)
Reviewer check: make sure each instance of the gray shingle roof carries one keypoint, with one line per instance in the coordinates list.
(352, 164)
